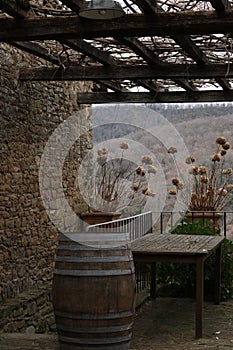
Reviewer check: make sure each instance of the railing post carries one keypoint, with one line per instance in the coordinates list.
(161, 222)
(225, 224)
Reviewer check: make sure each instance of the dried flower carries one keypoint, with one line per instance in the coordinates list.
(201, 170)
(140, 171)
(204, 179)
(206, 189)
(226, 146)
(172, 150)
(223, 152)
(193, 170)
(221, 140)
(124, 145)
(147, 160)
(148, 192)
(190, 160)
(175, 181)
(180, 186)
(151, 169)
(216, 158)
(222, 192)
(102, 151)
(117, 183)
(172, 192)
(227, 171)
(135, 187)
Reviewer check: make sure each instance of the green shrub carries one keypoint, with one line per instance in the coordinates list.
(179, 279)
(199, 227)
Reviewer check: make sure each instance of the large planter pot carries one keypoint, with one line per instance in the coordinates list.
(93, 218)
(93, 296)
(211, 219)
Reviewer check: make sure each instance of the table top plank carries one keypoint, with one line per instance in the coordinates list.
(175, 244)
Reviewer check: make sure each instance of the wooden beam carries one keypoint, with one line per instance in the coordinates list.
(40, 51)
(149, 85)
(98, 55)
(159, 97)
(220, 5)
(91, 51)
(186, 43)
(224, 83)
(15, 8)
(186, 84)
(113, 85)
(140, 49)
(160, 71)
(36, 50)
(150, 57)
(193, 51)
(60, 28)
(74, 5)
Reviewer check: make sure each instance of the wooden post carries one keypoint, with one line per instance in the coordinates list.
(217, 289)
(199, 294)
(153, 280)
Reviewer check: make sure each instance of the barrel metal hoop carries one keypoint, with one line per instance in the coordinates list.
(97, 341)
(88, 248)
(93, 259)
(86, 316)
(98, 329)
(65, 346)
(93, 273)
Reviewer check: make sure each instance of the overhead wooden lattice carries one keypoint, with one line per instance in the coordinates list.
(164, 51)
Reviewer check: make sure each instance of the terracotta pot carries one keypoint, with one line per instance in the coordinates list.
(207, 218)
(100, 217)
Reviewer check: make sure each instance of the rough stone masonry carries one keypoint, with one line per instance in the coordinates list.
(30, 112)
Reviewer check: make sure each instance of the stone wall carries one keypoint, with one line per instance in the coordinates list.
(30, 312)
(30, 112)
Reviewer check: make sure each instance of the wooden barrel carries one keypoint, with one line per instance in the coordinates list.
(93, 295)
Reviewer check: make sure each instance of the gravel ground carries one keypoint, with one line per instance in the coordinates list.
(162, 324)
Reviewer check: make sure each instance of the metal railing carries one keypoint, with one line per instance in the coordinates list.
(161, 222)
(136, 226)
(168, 220)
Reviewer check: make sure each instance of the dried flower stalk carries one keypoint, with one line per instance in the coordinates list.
(209, 188)
(118, 184)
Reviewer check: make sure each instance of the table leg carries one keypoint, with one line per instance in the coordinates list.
(153, 281)
(217, 289)
(199, 295)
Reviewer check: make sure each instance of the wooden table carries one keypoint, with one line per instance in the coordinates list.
(195, 249)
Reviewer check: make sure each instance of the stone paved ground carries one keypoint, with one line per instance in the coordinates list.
(169, 323)
(164, 324)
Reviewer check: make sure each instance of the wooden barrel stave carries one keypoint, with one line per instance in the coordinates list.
(93, 296)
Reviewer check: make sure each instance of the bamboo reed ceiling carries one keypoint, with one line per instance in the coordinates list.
(164, 51)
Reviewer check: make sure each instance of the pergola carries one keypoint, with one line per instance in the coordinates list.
(158, 52)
